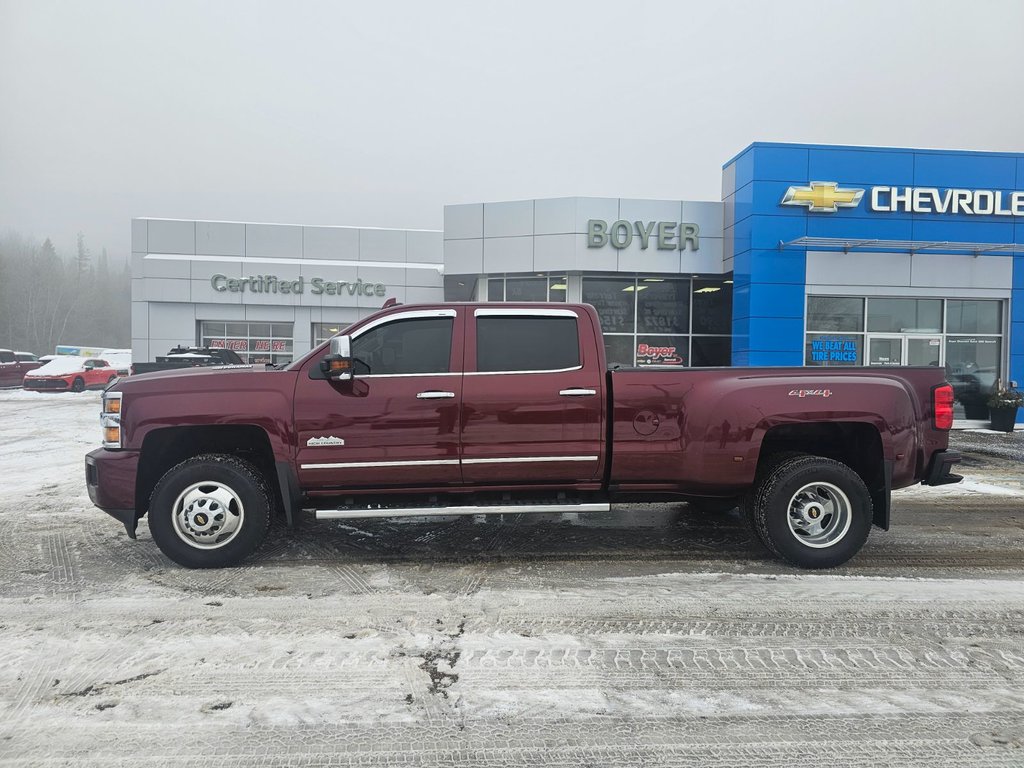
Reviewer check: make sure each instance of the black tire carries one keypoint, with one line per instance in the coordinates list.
(711, 506)
(249, 510)
(766, 467)
(78, 385)
(849, 512)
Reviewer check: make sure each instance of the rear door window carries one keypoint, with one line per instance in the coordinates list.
(6, 357)
(526, 343)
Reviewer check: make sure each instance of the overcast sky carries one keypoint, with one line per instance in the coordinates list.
(379, 113)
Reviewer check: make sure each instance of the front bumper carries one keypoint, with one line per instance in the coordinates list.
(45, 384)
(110, 478)
(939, 469)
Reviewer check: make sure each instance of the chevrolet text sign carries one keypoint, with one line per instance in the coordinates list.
(974, 202)
(829, 197)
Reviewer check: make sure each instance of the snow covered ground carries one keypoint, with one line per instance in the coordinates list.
(650, 636)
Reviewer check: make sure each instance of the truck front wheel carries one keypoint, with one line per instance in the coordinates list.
(210, 511)
(811, 511)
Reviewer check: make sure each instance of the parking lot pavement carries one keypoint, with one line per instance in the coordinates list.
(651, 635)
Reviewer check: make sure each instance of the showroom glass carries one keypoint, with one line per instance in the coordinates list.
(552, 288)
(835, 313)
(904, 315)
(255, 343)
(526, 344)
(663, 306)
(459, 288)
(615, 301)
(712, 309)
(321, 332)
(416, 345)
(963, 335)
(663, 321)
(974, 316)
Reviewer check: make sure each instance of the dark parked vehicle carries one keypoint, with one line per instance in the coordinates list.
(14, 366)
(496, 408)
(189, 357)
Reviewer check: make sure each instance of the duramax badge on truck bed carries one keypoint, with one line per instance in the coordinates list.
(456, 409)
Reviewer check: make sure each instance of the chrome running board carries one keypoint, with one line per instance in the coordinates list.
(476, 509)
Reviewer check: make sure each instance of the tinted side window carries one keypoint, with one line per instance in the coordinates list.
(6, 357)
(25, 357)
(526, 343)
(420, 345)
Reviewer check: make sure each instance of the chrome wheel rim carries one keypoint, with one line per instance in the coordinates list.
(207, 515)
(819, 515)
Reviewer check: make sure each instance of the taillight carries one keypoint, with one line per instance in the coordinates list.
(942, 406)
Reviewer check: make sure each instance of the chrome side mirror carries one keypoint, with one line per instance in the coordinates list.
(337, 365)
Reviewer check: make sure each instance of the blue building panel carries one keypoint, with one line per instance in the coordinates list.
(860, 228)
(778, 300)
(767, 232)
(777, 333)
(755, 269)
(861, 166)
(969, 170)
(776, 357)
(780, 163)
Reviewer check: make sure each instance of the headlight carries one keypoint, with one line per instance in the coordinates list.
(111, 419)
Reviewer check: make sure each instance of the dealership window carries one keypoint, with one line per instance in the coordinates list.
(323, 331)
(835, 331)
(964, 336)
(662, 320)
(905, 315)
(254, 342)
(551, 288)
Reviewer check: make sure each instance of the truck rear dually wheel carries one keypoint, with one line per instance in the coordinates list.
(210, 511)
(810, 511)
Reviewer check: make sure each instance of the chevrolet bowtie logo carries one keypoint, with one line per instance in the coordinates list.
(823, 197)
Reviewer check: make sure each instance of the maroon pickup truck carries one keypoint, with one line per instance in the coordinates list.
(493, 408)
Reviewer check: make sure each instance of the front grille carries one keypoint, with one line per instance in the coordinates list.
(45, 384)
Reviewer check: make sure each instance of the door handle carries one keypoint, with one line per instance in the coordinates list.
(577, 392)
(435, 394)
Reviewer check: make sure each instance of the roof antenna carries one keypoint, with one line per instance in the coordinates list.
(392, 302)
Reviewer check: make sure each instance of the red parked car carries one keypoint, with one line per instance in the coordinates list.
(14, 366)
(75, 374)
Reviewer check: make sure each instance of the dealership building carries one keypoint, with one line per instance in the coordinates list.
(814, 255)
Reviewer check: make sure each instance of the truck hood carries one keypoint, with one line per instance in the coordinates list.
(202, 378)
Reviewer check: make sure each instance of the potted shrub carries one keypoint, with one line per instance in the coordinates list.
(1002, 407)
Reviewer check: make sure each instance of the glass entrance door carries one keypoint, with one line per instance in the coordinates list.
(885, 350)
(904, 349)
(923, 350)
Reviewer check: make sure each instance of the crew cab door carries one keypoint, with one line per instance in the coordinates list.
(532, 398)
(396, 423)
